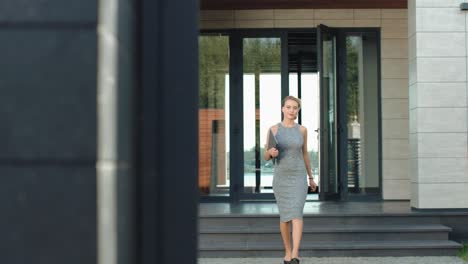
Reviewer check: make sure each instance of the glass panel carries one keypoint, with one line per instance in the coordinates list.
(310, 118)
(303, 83)
(362, 113)
(310, 115)
(329, 133)
(262, 108)
(213, 172)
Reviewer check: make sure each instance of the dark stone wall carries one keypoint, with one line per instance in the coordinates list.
(48, 66)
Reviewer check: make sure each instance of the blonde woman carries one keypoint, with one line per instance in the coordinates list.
(292, 166)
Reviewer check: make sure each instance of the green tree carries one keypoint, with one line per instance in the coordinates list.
(213, 67)
(352, 79)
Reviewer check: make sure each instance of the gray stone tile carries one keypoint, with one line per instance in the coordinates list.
(49, 212)
(448, 195)
(57, 11)
(440, 19)
(438, 145)
(48, 94)
(434, 170)
(439, 95)
(446, 69)
(431, 44)
(439, 120)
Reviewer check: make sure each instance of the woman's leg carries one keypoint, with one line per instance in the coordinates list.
(297, 225)
(286, 235)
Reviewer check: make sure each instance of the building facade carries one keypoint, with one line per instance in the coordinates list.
(100, 134)
(423, 89)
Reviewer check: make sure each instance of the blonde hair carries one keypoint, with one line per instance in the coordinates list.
(289, 97)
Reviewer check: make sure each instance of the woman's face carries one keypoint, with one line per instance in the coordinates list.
(290, 109)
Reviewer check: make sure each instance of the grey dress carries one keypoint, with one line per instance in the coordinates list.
(290, 176)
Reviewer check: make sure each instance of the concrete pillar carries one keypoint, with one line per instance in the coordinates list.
(438, 104)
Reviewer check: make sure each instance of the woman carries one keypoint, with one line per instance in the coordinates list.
(289, 181)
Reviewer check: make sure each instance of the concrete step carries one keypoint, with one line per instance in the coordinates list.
(326, 233)
(336, 248)
(252, 221)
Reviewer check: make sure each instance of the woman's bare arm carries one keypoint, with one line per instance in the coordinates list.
(305, 153)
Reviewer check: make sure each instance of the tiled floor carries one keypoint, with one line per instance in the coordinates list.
(318, 208)
(312, 208)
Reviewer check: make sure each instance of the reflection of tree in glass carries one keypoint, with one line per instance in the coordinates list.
(262, 55)
(213, 66)
(353, 79)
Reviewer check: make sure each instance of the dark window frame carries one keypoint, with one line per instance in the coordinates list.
(236, 104)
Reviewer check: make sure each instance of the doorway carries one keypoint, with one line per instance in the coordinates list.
(244, 74)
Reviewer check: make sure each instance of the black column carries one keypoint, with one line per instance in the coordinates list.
(169, 131)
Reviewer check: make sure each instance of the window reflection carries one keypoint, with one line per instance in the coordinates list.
(213, 173)
(262, 108)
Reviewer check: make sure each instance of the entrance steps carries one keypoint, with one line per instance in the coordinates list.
(326, 235)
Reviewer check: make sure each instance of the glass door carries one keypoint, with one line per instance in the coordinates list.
(213, 116)
(328, 133)
(261, 100)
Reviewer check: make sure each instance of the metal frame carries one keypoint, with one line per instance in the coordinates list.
(323, 196)
(167, 207)
(346, 196)
(236, 110)
(253, 33)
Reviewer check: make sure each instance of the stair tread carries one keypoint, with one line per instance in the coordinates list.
(331, 229)
(343, 245)
(250, 215)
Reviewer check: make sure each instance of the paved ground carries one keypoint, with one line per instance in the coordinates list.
(355, 260)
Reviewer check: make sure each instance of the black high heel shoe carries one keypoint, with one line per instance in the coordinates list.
(286, 262)
(294, 261)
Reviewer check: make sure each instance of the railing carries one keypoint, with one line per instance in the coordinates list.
(354, 158)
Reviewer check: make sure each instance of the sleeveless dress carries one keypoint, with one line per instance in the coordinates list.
(290, 175)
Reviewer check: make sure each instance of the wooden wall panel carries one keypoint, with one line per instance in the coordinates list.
(300, 4)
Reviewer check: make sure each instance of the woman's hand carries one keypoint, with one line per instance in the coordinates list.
(312, 185)
(273, 152)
